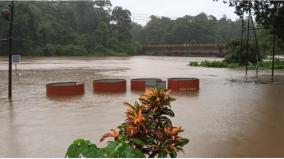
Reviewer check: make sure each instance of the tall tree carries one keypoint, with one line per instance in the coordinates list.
(54, 28)
(268, 13)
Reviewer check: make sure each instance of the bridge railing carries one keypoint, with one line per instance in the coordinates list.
(208, 45)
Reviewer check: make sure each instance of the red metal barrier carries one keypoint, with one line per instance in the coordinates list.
(65, 88)
(139, 84)
(183, 84)
(109, 85)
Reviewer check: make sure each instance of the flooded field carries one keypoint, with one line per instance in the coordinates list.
(228, 117)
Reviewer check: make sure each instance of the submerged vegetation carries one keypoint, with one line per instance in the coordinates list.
(146, 132)
(223, 64)
(217, 64)
(278, 65)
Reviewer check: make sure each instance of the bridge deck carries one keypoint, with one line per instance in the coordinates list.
(184, 46)
(184, 49)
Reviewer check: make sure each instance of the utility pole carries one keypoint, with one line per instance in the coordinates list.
(247, 53)
(242, 37)
(10, 48)
(274, 41)
(273, 54)
(256, 44)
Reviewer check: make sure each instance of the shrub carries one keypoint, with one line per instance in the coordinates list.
(115, 149)
(234, 54)
(278, 65)
(147, 132)
(194, 63)
(216, 64)
(219, 64)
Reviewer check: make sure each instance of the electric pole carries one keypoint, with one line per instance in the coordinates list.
(11, 5)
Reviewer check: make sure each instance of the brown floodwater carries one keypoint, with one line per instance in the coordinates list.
(231, 116)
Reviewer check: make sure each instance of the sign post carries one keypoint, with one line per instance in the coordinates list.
(16, 59)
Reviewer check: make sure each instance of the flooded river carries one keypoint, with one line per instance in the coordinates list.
(228, 117)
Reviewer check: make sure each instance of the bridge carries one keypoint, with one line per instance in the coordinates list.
(217, 50)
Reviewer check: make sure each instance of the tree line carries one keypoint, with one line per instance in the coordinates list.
(201, 28)
(57, 28)
(54, 28)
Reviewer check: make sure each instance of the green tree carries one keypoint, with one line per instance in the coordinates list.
(234, 54)
(201, 28)
(268, 13)
(55, 28)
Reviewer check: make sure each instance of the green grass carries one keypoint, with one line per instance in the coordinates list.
(215, 64)
(278, 65)
(222, 64)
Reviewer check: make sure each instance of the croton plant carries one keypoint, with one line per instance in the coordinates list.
(146, 132)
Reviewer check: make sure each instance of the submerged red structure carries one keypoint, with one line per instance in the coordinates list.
(183, 84)
(109, 85)
(65, 88)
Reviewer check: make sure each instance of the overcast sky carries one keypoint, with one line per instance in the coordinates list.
(142, 9)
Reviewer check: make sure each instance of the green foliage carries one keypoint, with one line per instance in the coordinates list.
(61, 50)
(204, 28)
(235, 55)
(201, 28)
(114, 149)
(147, 132)
(149, 127)
(278, 65)
(268, 13)
(57, 28)
(215, 64)
(194, 63)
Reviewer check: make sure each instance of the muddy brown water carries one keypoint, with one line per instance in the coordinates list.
(228, 117)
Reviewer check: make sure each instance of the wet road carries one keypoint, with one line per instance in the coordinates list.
(226, 118)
